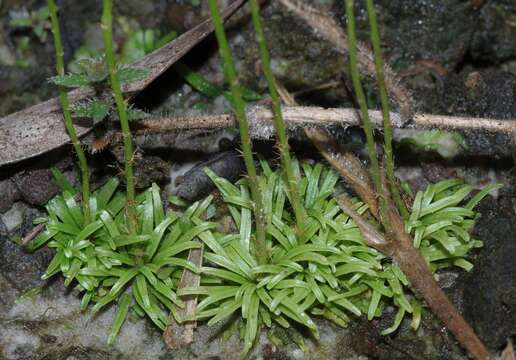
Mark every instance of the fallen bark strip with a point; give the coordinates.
(261, 121)
(40, 128)
(180, 334)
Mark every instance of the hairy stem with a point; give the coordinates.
(260, 117)
(81, 156)
(359, 91)
(239, 109)
(107, 35)
(279, 122)
(387, 128)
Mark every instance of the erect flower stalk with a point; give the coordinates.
(239, 109)
(107, 35)
(384, 99)
(359, 92)
(63, 95)
(279, 123)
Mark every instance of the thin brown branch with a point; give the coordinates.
(31, 235)
(261, 126)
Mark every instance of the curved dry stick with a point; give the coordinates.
(179, 332)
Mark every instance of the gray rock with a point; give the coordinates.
(36, 186)
(195, 184)
(9, 194)
(490, 288)
(13, 217)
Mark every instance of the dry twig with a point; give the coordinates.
(261, 127)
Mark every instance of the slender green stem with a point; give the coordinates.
(107, 35)
(81, 156)
(279, 123)
(359, 91)
(239, 109)
(387, 128)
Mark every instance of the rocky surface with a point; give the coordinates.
(490, 288)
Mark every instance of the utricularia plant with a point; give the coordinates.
(109, 264)
(330, 272)
(295, 255)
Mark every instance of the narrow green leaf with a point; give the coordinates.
(225, 311)
(141, 284)
(481, 194)
(122, 281)
(157, 235)
(373, 305)
(224, 274)
(252, 322)
(124, 240)
(397, 321)
(121, 314)
(62, 181)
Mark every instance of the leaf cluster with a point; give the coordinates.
(332, 273)
(139, 272)
(440, 225)
(92, 72)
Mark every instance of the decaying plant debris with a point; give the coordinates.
(40, 128)
(395, 242)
